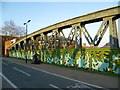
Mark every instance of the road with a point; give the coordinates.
(22, 76)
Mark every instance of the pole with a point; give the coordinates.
(26, 44)
(26, 40)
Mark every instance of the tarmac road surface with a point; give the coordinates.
(17, 75)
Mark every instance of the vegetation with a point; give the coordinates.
(10, 28)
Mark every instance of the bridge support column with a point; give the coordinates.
(32, 43)
(40, 42)
(63, 40)
(77, 34)
(44, 41)
(19, 46)
(113, 33)
(56, 39)
(24, 45)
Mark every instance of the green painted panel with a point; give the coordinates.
(101, 59)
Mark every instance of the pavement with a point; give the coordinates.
(27, 75)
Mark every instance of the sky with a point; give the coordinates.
(43, 14)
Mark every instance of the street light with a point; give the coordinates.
(26, 39)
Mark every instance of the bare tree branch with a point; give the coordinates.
(10, 28)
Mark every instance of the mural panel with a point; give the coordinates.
(100, 59)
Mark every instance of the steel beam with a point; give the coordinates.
(115, 35)
(78, 35)
(88, 18)
(87, 35)
(101, 31)
(63, 40)
(19, 46)
(56, 38)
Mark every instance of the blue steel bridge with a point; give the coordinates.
(68, 51)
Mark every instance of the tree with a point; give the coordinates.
(10, 28)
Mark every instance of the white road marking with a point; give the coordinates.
(79, 85)
(21, 71)
(61, 76)
(70, 79)
(4, 63)
(13, 85)
(55, 86)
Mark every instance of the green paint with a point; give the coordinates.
(101, 59)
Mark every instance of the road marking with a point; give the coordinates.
(4, 63)
(61, 76)
(13, 85)
(79, 85)
(64, 77)
(71, 79)
(55, 86)
(21, 71)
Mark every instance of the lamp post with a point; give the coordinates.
(26, 39)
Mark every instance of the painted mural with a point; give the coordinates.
(103, 59)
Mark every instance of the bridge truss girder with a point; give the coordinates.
(57, 40)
